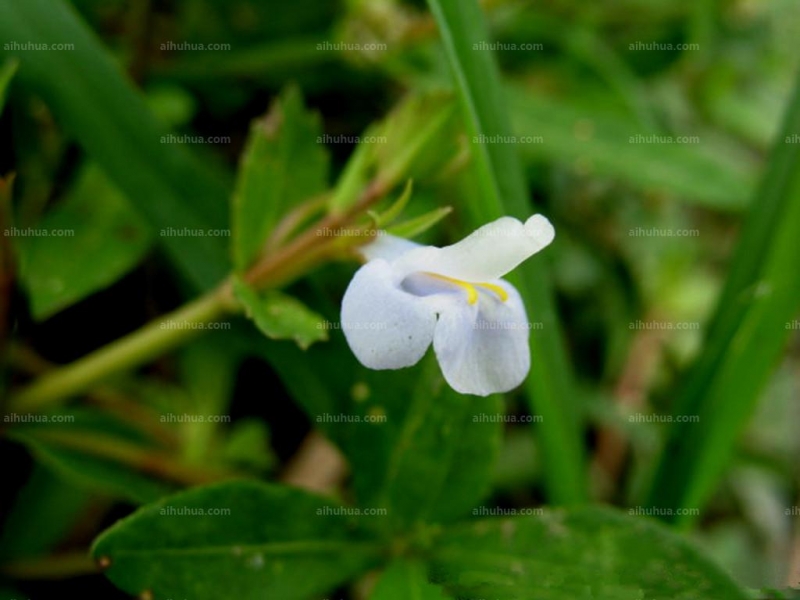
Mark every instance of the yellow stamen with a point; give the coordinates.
(472, 293)
(501, 293)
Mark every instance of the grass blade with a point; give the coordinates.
(92, 100)
(747, 335)
(502, 191)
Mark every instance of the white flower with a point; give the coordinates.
(408, 295)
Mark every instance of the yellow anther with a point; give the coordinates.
(472, 293)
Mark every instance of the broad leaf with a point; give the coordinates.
(87, 242)
(241, 540)
(284, 164)
(590, 553)
(405, 580)
(281, 317)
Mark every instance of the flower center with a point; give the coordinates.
(472, 293)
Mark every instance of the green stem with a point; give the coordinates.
(127, 352)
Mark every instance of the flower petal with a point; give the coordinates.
(388, 247)
(488, 253)
(483, 348)
(386, 327)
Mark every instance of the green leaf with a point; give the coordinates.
(395, 210)
(414, 141)
(248, 445)
(414, 464)
(284, 164)
(86, 243)
(6, 75)
(406, 434)
(750, 329)
(414, 227)
(281, 317)
(51, 504)
(595, 553)
(208, 368)
(49, 439)
(572, 132)
(495, 188)
(94, 102)
(406, 580)
(235, 540)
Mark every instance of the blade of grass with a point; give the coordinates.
(93, 101)
(748, 333)
(502, 191)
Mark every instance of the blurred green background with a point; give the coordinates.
(650, 132)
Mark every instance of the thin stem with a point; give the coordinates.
(142, 459)
(186, 322)
(127, 352)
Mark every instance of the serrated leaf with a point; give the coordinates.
(84, 244)
(283, 164)
(588, 553)
(281, 317)
(240, 540)
(406, 580)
